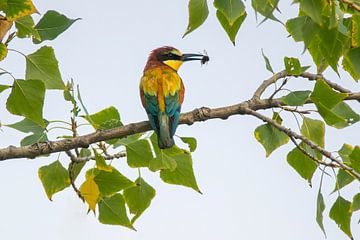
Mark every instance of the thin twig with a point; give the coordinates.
(71, 174)
(307, 141)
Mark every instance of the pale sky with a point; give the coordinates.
(245, 195)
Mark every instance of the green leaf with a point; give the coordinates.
(344, 111)
(341, 214)
(90, 191)
(230, 29)
(25, 28)
(265, 8)
(355, 205)
(296, 98)
(198, 12)
(34, 138)
(109, 182)
(26, 126)
(325, 99)
(342, 179)
(332, 44)
(139, 153)
(292, 66)
(302, 164)
(139, 197)
(43, 65)
(351, 63)
(15, 9)
(270, 137)
(164, 157)
(127, 140)
(101, 163)
(191, 142)
(4, 87)
(105, 119)
(267, 62)
(345, 151)
(302, 29)
(54, 178)
(3, 51)
(320, 207)
(27, 99)
(317, 54)
(231, 9)
(355, 159)
(112, 211)
(313, 8)
(314, 130)
(51, 25)
(183, 174)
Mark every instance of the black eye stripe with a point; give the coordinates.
(168, 56)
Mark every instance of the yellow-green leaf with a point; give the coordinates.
(341, 214)
(303, 164)
(54, 178)
(139, 197)
(112, 211)
(351, 63)
(15, 9)
(164, 157)
(342, 179)
(230, 29)
(3, 51)
(325, 100)
(51, 25)
(198, 12)
(27, 99)
(314, 130)
(90, 191)
(296, 98)
(105, 119)
(43, 65)
(320, 207)
(231, 9)
(355, 205)
(101, 163)
(139, 153)
(191, 142)
(345, 151)
(109, 182)
(25, 27)
(183, 173)
(313, 8)
(355, 159)
(270, 137)
(265, 8)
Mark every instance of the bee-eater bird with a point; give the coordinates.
(162, 91)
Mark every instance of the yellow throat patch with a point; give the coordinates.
(174, 64)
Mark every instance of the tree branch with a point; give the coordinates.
(249, 107)
(197, 115)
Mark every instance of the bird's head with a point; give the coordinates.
(173, 58)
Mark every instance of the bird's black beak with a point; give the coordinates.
(191, 57)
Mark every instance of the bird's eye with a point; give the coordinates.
(170, 54)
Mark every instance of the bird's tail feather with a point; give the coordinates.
(165, 140)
